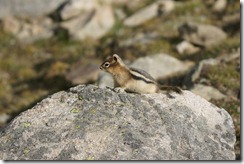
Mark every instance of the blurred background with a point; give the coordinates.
(48, 46)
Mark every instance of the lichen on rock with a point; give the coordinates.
(106, 125)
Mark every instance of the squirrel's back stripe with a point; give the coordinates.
(139, 76)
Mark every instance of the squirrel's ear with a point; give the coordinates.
(116, 57)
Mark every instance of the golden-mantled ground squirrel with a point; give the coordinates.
(131, 79)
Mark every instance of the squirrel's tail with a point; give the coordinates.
(171, 88)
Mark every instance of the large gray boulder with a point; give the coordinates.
(90, 123)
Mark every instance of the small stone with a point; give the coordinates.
(187, 48)
(219, 5)
(11, 25)
(207, 92)
(4, 118)
(195, 74)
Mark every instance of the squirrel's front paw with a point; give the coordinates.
(119, 90)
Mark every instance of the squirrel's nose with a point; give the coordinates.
(101, 67)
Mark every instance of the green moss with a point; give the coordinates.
(74, 110)
(93, 111)
(161, 45)
(225, 75)
(26, 151)
(90, 158)
(77, 126)
(26, 124)
(80, 97)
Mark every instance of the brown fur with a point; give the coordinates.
(133, 80)
(121, 74)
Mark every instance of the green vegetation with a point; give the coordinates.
(74, 110)
(225, 77)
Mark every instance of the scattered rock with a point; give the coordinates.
(28, 31)
(34, 31)
(231, 23)
(28, 8)
(141, 38)
(83, 19)
(207, 92)
(90, 123)
(73, 25)
(187, 48)
(102, 21)
(219, 5)
(231, 19)
(195, 74)
(76, 8)
(201, 34)
(149, 12)
(4, 118)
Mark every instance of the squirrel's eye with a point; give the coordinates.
(106, 65)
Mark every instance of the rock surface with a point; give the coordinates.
(207, 92)
(28, 8)
(90, 123)
(161, 65)
(28, 31)
(102, 21)
(185, 47)
(219, 5)
(195, 74)
(201, 34)
(149, 12)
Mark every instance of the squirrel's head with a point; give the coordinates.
(111, 63)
